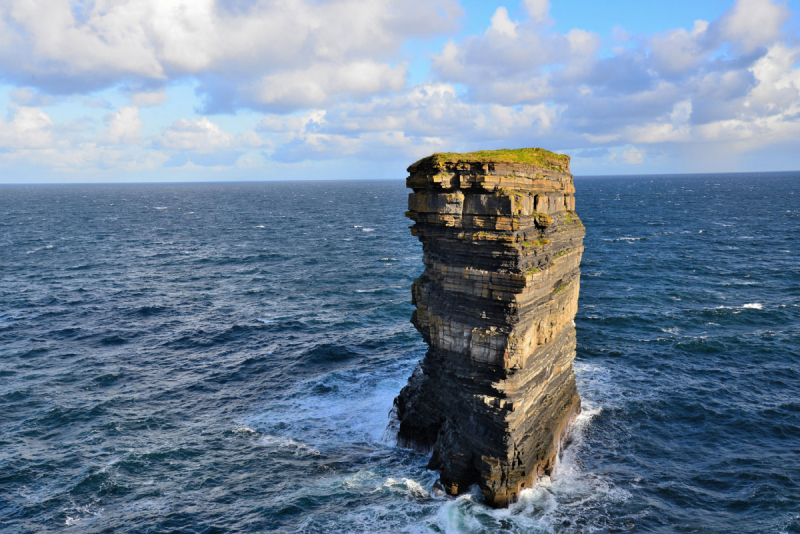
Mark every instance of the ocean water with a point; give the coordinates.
(223, 358)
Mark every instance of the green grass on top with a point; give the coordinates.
(529, 156)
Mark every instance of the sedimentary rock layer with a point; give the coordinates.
(495, 395)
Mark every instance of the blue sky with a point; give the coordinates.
(191, 90)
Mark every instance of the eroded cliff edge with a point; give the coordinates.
(495, 395)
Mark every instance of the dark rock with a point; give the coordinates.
(495, 395)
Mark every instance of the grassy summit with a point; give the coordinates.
(529, 156)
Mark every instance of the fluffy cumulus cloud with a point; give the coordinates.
(202, 142)
(279, 55)
(327, 79)
(729, 84)
(124, 126)
(28, 128)
(30, 137)
(730, 79)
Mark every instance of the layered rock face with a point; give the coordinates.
(495, 395)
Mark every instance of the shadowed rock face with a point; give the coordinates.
(495, 395)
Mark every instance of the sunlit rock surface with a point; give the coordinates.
(495, 395)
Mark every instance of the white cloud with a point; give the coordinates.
(146, 99)
(681, 112)
(320, 83)
(28, 128)
(249, 139)
(283, 123)
(677, 50)
(112, 39)
(124, 126)
(198, 135)
(500, 23)
(751, 24)
(539, 10)
(341, 46)
(516, 63)
(633, 156)
(428, 117)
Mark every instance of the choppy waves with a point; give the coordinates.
(229, 363)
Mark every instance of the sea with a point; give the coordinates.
(213, 358)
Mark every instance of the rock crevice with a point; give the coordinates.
(495, 395)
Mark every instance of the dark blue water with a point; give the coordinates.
(223, 358)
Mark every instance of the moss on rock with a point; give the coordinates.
(527, 156)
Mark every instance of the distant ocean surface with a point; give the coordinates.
(212, 358)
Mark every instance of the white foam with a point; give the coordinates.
(408, 486)
(543, 507)
(244, 429)
(159, 207)
(368, 229)
(753, 306)
(626, 239)
(283, 442)
(86, 512)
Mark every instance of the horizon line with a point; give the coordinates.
(645, 175)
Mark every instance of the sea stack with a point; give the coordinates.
(495, 395)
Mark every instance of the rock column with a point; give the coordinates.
(495, 395)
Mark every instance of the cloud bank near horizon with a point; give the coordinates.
(279, 88)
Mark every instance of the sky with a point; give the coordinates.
(231, 90)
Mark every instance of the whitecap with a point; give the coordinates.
(626, 239)
(159, 207)
(368, 290)
(260, 226)
(753, 306)
(244, 429)
(282, 442)
(411, 488)
(368, 229)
